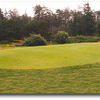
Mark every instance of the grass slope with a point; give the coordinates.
(82, 77)
(69, 80)
(50, 56)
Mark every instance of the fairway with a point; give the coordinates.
(52, 56)
(53, 69)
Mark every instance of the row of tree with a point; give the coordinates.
(76, 22)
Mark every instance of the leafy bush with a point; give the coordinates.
(79, 39)
(34, 40)
(61, 37)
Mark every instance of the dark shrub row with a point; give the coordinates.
(36, 40)
(60, 38)
(79, 39)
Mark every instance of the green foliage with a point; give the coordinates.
(45, 22)
(80, 38)
(35, 40)
(88, 21)
(61, 37)
(82, 22)
(11, 29)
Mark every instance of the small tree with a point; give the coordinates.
(61, 37)
(35, 40)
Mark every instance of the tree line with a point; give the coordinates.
(47, 23)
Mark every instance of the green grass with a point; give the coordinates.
(50, 56)
(66, 80)
(54, 69)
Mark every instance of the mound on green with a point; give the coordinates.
(52, 56)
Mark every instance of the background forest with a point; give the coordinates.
(84, 21)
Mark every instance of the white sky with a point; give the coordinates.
(26, 5)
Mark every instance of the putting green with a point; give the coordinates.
(52, 56)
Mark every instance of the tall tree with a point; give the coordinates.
(1, 15)
(74, 25)
(97, 14)
(88, 21)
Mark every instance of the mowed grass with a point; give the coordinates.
(84, 79)
(56, 69)
(52, 56)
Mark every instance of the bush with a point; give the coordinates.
(79, 39)
(35, 40)
(61, 37)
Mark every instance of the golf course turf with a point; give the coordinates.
(62, 69)
(52, 56)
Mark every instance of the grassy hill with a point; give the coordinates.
(50, 56)
(56, 69)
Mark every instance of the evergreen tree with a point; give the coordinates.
(88, 21)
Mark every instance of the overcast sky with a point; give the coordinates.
(26, 5)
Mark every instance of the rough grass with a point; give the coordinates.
(66, 80)
(52, 56)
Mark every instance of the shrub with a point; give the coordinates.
(79, 39)
(61, 37)
(35, 40)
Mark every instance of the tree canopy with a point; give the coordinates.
(47, 23)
